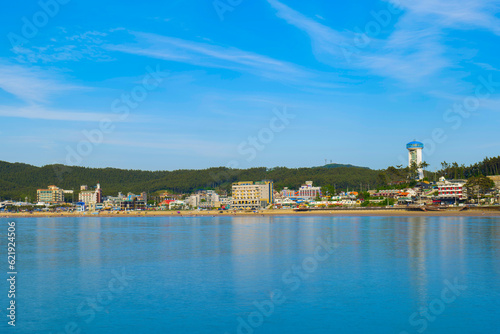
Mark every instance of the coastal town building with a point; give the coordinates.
(284, 202)
(306, 192)
(193, 201)
(51, 195)
(128, 202)
(252, 195)
(390, 193)
(203, 199)
(135, 203)
(451, 190)
(114, 202)
(211, 199)
(90, 196)
(225, 202)
(289, 193)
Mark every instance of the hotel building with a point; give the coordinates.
(252, 195)
(51, 195)
(452, 190)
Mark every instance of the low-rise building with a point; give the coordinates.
(133, 204)
(284, 201)
(114, 202)
(391, 193)
(225, 202)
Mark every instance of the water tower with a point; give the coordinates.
(415, 156)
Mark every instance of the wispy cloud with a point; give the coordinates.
(39, 112)
(466, 14)
(66, 47)
(324, 39)
(215, 56)
(31, 84)
(408, 55)
(413, 52)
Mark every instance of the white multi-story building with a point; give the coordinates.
(90, 196)
(252, 195)
(453, 189)
(308, 192)
(203, 199)
(193, 201)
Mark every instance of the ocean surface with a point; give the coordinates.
(255, 275)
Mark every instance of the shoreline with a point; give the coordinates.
(339, 213)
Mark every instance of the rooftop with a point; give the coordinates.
(415, 144)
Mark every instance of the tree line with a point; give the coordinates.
(19, 181)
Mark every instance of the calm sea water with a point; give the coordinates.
(255, 275)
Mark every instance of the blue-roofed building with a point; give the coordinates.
(415, 149)
(414, 145)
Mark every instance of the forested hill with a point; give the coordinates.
(341, 165)
(18, 180)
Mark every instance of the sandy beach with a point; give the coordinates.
(476, 212)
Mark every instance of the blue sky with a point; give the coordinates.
(195, 84)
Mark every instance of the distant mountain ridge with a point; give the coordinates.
(335, 165)
(19, 180)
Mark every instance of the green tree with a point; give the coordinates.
(478, 185)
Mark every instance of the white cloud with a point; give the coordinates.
(413, 52)
(76, 47)
(31, 84)
(324, 39)
(211, 55)
(465, 14)
(39, 112)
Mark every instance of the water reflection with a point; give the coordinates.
(191, 273)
